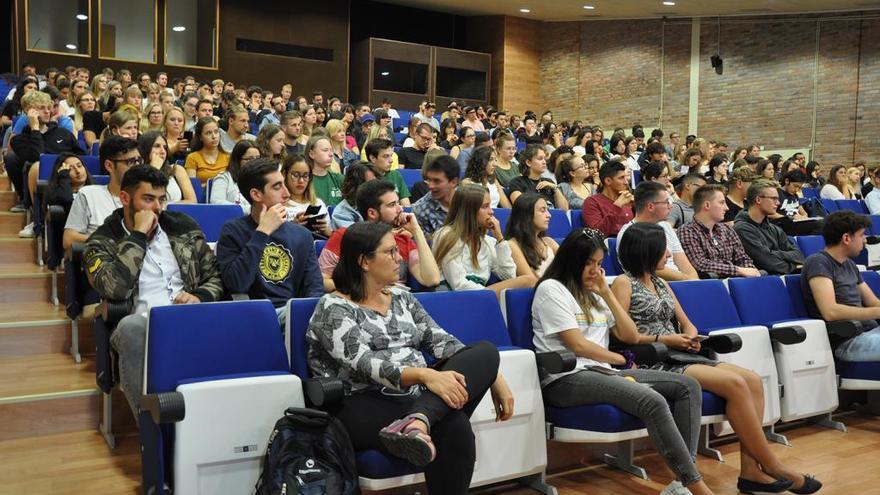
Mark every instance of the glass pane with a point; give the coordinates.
(58, 26)
(128, 30)
(191, 33)
(461, 83)
(402, 77)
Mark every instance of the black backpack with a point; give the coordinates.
(309, 453)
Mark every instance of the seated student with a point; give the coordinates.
(573, 176)
(507, 168)
(326, 182)
(532, 251)
(711, 245)
(380, 154)
(838, 186)
(412, 157)
(372, 337)
(717, 173)
(682, 211)
(659, 318)
(147, 257)
(574, 310)
(153, 148)
(532, 168)
(377, 202)
(224, 189)
(481, 170)
(790, 216)
(94, 203)
(206, 160)
(467, 256)
(237, 129)
(872, 197)
(611, 208)
(69, 176)
(263, 254)
(765, 243)
(737, 185)
(659, 172)
(834, 289)
(298, 179)
(379, 132)
(441, 178)
(652, 204)
(346, 213)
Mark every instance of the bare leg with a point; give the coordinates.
(513, 283)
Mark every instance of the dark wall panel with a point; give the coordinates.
(393, 22)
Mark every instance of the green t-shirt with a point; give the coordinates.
(328, 187)
(396, 179)
(505, 176)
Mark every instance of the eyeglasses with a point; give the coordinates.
(668, 202)
(131, 162)
(392, 252)
(296, 176)
(775, 199)
(427, 138)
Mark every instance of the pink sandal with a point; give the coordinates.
(404, 440)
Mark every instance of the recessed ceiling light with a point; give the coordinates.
(525, 11)
(70, 46)
(82, 17)
(669, 4)
(179, 29)
(386, 73)
(589, 7)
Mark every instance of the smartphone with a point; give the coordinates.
(188, 135)
(699, 338)
(313, 210)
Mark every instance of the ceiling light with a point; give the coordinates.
(589, 7)
(669, 4)
(179, 29)
(525, 11)
(70, 46)
(386, 73)
(82, 17)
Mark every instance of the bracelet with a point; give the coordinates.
(657, 338)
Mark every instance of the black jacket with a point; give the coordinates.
(767, 245)
(30, 144)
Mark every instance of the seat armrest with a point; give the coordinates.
(556, 362)
(723, 344)
(76, 252)
(644, 354)
(54, 211)
(323, 392)
(113, 311)
(708, 275)
(844, 329)
(165, 407)
(794, 334)
(239, 297)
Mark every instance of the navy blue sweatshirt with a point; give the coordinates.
(277, 267)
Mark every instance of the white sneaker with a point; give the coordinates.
(27, 231)
(675, 488)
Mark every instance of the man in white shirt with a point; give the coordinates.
(652, 203)
(427, 116)
(94, 203)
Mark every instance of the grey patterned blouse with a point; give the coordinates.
(367, 350)
(652, 313)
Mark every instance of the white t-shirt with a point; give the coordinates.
(672, 242)
(555, 310)
(92, 205)
(294, 208)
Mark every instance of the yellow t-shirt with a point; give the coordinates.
(204, 169)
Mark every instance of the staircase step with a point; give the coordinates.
(45, 337)
(16, 250)
(26, 282)
(7, 199)
(4, 183)
(10, 223)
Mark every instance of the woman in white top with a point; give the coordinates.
(481, 170)
(466, 255)
(298, 180)
(154, 149)
(531, 249)
(838, 185)
(224, 187)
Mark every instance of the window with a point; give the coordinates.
(461, 83)
(60, 26)
(401, 77)
(191, 33)
(128, 30)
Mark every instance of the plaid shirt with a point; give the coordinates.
(719, 250)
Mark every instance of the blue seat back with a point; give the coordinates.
(470, 315)
(760, 300)
(95, 148)
(520, 145)
(576, 218)
(810, 244)
(208, 187)
(503, 215)
(518, 306)
(872, 279)
(410, 176)
(795, 295)
(852, 205)
(101, 180)
(47, 160)
(810, 192)
(707, 304)
(199, 190)
(611, 263)
(298, 321)
(875, 225)
(188, 342)
(560, 225)
(209, 217)
(829, 204)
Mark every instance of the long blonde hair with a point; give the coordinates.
(77, 113)
(461, 224)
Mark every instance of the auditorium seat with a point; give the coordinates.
(611, 263)
(503, 215)
(810, 192)
(855, 205)
(576, 218)
(410, 176)
(210, 218)
(560, 225)
(829, 204)
(198, 189)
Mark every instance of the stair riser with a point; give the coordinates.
(7, 199)
(28, 289)
(18, 251)
(46, 417)
(4, 183)
(10, 224)
(48, 339)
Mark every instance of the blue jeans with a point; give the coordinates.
(862, 347)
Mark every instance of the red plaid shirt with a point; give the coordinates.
(719, 250)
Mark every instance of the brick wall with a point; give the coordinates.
(766, 94)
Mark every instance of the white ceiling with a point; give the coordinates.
(573, 10)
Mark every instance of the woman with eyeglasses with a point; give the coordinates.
(575, 310)
(374, 337)
(466, 137)
(224, 188)
(153, 118)
(298, 179)
(87, 119)
(154, 150)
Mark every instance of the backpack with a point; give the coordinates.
(309, 453)
(814, 208)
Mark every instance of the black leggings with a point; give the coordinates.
(364, 414)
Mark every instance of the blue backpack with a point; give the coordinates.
(309, 453)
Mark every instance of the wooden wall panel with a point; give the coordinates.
(521, 62)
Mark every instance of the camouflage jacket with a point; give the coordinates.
(113, 258)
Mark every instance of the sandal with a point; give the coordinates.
(407, 442)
